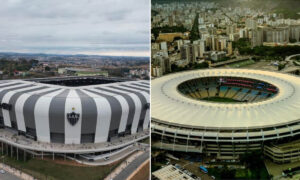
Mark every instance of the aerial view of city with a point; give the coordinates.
(74, 90)
(150, 89)
(225, 89)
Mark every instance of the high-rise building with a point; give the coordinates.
(244, 33)
(186, 52)
(230, 29)
(295, 32)
(251, 23)
(234, 37)
(157, 71)
(229, 48)
(222, 44)
(163, 46)
(277, 35)
(257, 37)
(159, 59)
(200, 45)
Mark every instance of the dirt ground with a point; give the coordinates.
(142, 173)
(71, 162)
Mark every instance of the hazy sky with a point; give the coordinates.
(108, 27)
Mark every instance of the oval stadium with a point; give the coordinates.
(227, 112)
(88, 118)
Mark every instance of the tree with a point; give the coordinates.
(47, 68)
(293, 40)
(227, 173)
(280, 67)
(254, 161)
(194, 35)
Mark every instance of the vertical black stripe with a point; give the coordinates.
(28, 111)
(13, 100)
(2, 93)
(130, 104)
(143, 102)
(57, 116)
(116, 109)
(89, 114)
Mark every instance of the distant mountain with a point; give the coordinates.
(43, 56)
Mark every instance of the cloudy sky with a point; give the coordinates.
(102, 27)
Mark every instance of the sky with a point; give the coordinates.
(93, 27)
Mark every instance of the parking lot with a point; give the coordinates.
(191, 168)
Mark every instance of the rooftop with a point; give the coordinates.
(281, 109)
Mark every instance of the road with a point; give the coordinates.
(132, 166)
(8, 176)
(290, 57)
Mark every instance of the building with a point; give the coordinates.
(170, 172)
(277, 35)
(251, 23)
(257, 37)
(295, 33)
(157, 71)
(91, 117)
(186, 52)
(163, 46)
(199, 46)
(82, 72)
(229, 48)
(231, 29)
(217, 55)
(243, 33)
(162, 60)
(264, 113)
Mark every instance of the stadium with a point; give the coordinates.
(227, 112)
(88, 118)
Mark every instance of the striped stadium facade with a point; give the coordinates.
(105, 111)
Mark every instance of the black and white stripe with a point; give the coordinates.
(40, 110)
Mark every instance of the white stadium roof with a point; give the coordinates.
(169, 106)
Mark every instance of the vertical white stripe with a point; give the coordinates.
(147, 115)
(103, 117)
(138, 109)
(41, 116)
(73, 132)
(6, 99)
(124, 105)
(19, 107)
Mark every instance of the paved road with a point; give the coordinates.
(132, 166)
(290, 57)
(8, 176)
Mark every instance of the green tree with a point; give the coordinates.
(194, 35)
(280, 67)
(47, 68)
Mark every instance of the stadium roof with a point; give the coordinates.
(169, 106)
